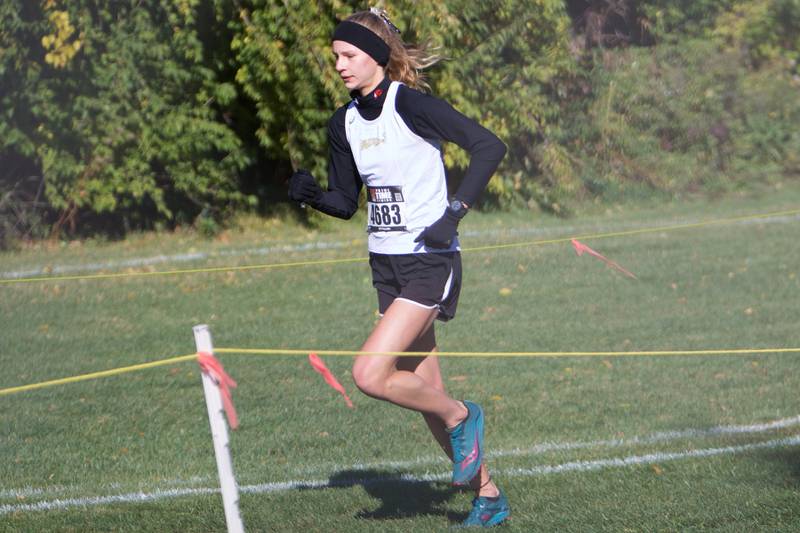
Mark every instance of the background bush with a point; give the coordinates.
(153, 113)
(684, 118)
(119, 109)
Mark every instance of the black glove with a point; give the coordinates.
(440, 234)
(304, 188)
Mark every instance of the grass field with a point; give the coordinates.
(645, 443)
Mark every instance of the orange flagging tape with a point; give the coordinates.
(211, 366)
(580, 248)
(330, 379)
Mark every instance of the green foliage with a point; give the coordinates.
(683, 118)
(764, 31)
(510, 70)
(674, 19)
(144, 113)
(285, 67)
(119, 108)
(504, 64)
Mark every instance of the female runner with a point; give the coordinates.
(388, 138)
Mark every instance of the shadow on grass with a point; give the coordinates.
(399, 497)
(789, 462)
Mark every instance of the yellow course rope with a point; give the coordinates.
(640, 231)
(95, 375)
(281, 351)
(143, 366)
(183, 271)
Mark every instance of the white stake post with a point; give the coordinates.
(219, 432)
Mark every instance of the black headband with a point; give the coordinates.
(363, 38)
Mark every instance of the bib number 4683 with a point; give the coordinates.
(386, 209)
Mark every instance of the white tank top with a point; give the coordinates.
(404, 176)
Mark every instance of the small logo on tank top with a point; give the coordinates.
(369, 143)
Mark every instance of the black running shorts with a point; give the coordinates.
(431, 280)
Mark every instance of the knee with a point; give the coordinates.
(369, 383)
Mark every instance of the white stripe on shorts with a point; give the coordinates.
(447, 286)
(417, 303)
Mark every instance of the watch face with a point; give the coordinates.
(458, 208)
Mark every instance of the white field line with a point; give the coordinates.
(433, 460)
(576, 466)
(174, 258)
(131, 497)
(636, 460)
(159, 494)
(327, 245)
(546, 447)
(45, 492)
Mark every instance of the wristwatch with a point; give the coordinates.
(458, 208)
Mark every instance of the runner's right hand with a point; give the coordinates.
(304, 188)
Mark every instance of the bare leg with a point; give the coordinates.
(428, 369)
(378, 376)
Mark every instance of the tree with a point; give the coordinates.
(120, 108)
(506, 64)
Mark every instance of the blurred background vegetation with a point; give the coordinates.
(153, 114)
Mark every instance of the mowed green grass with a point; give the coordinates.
(720, 286)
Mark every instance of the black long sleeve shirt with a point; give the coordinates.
(425, 115)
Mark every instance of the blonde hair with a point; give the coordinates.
(406, 61)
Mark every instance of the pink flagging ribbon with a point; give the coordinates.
(580, 248)
(211, 366)
(330, 379)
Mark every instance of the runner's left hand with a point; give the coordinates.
(441, 233)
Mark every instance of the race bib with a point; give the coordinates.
(386, 209)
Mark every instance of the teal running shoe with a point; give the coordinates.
(488, 512)
(466, 440)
